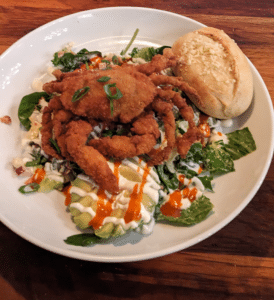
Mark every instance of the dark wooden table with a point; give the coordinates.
(235, 263)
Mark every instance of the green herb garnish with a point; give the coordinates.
(55, 145)
(103, 79)
(29, 188)
(115, 60)
(130, 42)
(80, 93)
(118, 94)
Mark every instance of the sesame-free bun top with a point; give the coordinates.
(212, 63)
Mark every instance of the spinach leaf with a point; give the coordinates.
(217, 160)
(69, 61)
(27, 106)
(168, 179)
(197, 212)
(240, 143)
(83, 239)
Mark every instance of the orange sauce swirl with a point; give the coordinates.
(104, 205)
(172, 206)
(66, 192)
(37, 177)
(133, 212)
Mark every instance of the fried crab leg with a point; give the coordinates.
(121, 147)
(89, 159)
(47, 127)
(164, 110)
(59, 121)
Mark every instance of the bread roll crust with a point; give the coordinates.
(212, 63)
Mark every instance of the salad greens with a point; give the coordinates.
(240, 143)
(202, 163)
(147, 53)
(83, 239)
(196, 213)
(70, 61)
(27, 105)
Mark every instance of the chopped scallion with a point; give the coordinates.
(103, 79)
(55, 145)
(29, 188)
(130, 42)
(111, 96)
(80, 93)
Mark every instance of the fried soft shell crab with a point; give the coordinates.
(144, 92)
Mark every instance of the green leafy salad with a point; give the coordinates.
(175, 192)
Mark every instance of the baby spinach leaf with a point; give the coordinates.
(83, 239)
(70, 61)
(27, 106)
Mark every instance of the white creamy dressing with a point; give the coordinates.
(192, 183)
(53, 174)
(226, 123)
(151, 189)
(218, 136)
(190, 165)
(82, 193)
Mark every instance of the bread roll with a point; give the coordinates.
(212, 63)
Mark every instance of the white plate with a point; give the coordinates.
(42, 219)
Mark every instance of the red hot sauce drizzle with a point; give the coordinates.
(203, 125)
(133, 212)
(37, 177)
(172, 207)
(66, 192)
(104, 205)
